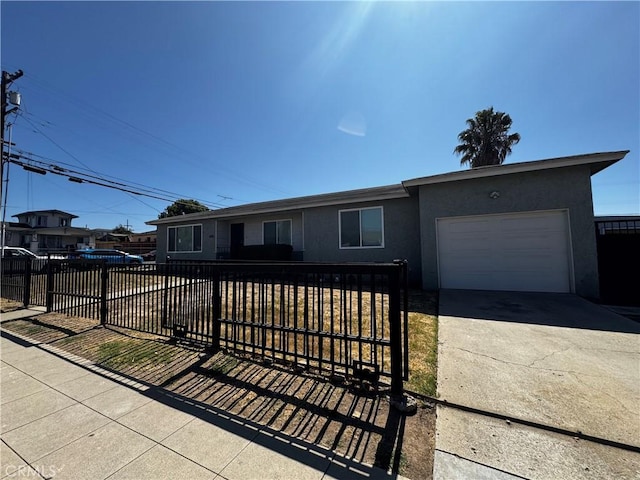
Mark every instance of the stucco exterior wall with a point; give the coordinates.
(208, 242)
(52, 220)
(253, 228)
(401, 235)
(562, 188)
(252, 234)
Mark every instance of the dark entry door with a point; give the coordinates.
(237, 239)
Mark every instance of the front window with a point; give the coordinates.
(186, 238)
(64, 222)
(278, 232)
(361, 228)
(41, 221)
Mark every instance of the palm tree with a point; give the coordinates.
(487, 140)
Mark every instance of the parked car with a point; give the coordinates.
(14, 259)
(109, 255)
(149, 256)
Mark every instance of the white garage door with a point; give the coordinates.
(520, 252)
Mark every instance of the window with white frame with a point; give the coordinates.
(185, 238)
(361, 228)
(276, 232)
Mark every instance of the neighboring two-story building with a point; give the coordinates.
(47, 231)
(50, 231)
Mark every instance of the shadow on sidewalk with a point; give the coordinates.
(301, 416)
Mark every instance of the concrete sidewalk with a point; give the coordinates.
(21, 313)
(66, 418)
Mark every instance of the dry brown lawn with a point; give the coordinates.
(7, 305)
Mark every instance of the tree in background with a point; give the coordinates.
(122, 229)
(182, 207)
(487, 140)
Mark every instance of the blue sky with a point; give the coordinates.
(237, 102)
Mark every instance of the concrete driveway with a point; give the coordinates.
(551, 359)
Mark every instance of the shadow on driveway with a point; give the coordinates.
(551, 309)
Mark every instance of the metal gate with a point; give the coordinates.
(618, 243)
(78, 288)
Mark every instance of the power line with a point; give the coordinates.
(73, 174)
(187, 155)
(69, 153)
(62, 172)
(30, 155)
(92, 200)
(57, 144)
(101, 176)
(112, 212)
(77, 174)
(125, 190)
(77, 177)
(9, 157)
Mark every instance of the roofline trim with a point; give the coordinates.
(604, 158)
(597, 162)
(53, 210)
(617, 218)
(305, 202)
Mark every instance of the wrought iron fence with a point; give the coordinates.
(24, 279)
(78, 288)
(341, 319)
(16, 274)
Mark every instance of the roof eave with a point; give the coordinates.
(292, 204)
(31, 212)
(596, 161)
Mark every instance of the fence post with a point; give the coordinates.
(405, 317)
(395, 332)
(165, 299)
(50, 286)
(26, 299)
(104, 275)
(217, 309)
(398, 399)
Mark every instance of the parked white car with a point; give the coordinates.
(18, 253)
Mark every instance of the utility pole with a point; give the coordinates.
(7, 79)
